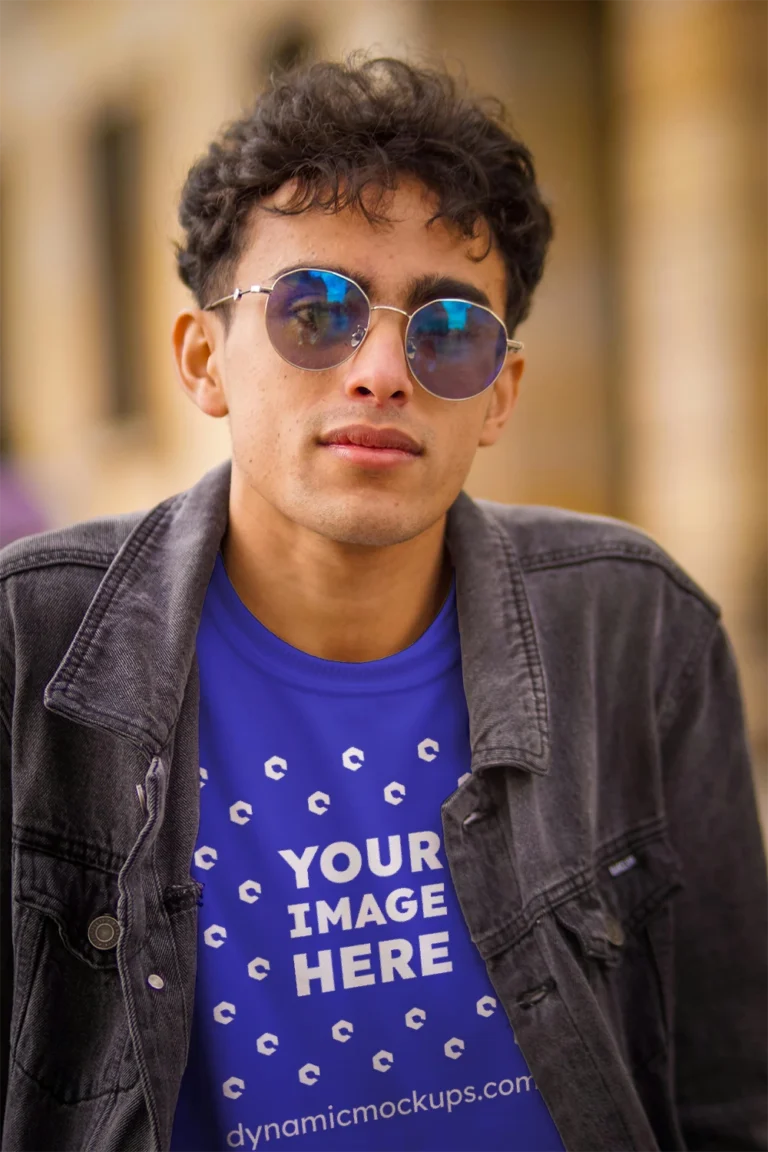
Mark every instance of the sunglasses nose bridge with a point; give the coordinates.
(389, 308)
(385, 308)
(362, 331)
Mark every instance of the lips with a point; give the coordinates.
(366, 436)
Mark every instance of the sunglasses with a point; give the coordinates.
(317, 320)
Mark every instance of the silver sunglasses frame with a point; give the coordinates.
(260, 289)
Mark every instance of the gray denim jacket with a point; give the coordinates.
(605, 849)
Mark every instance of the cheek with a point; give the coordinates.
(462, 436)
(253, 407)
(265, 416)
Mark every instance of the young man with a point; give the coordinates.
(339, 808)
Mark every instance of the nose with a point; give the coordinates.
(379, 368)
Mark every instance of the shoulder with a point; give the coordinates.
(547, 539)
(608, 600)
(48, 580)
(47, 583)
(90, 544)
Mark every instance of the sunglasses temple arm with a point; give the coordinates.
(236, 295)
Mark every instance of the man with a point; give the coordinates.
(347, 810)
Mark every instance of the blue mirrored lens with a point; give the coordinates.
(455, 349)
(316, 319)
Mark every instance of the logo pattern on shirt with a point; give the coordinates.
(400, 905)
(336, 976)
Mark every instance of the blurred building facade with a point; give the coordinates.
(644, 395)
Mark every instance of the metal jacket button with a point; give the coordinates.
(103, 932)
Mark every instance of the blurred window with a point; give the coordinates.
(117, 152)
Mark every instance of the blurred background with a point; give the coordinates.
(645, 390)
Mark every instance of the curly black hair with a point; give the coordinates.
(344, 133)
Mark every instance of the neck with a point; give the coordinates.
(343, 602)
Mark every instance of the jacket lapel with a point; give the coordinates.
(127, 668)
(503, 675)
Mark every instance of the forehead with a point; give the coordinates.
(390, 254)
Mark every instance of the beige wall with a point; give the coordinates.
(540, 60)
(186, 68)
(690, 89)
(187, 76)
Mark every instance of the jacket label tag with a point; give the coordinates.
(622, 865)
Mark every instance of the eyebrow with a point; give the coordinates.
(421, 289)
(418, 289)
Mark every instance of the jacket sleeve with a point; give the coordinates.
(721, 935)
(6, 947)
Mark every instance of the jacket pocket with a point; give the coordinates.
(620, 928)
(69, 1029)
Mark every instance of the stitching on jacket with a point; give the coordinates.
(574, 884)
(641, 834)
(563, 557)
(488, 757)
(140, 737)
(7, 660)
(101, 1119)
(509, 933)
(143, 534)
(80, 852)
(527, 635)
(5, 715)
(587, 1048)
(53, 559)
(66, 1101)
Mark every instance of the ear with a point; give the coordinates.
(502, 402)
(198, 342)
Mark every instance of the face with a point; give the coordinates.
(280, 415)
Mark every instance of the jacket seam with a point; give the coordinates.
(516, 587)
(643, 833)
(568, 557)
(54, 559)
(140, 738)
(96, 716)
(571, 885)
(503, 753)
(512, 931)
(77, 855)
(6, 693)
(594, 1063)
(57, 1096)
(103, 1115)
(7, 661)
(142, 536)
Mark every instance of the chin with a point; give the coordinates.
(371, 528)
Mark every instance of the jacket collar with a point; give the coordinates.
(127, 668)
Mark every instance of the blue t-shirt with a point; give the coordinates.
(340, 1003)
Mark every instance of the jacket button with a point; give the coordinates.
(103, 932)
(614, 931)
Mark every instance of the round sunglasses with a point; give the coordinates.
(317, 320)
